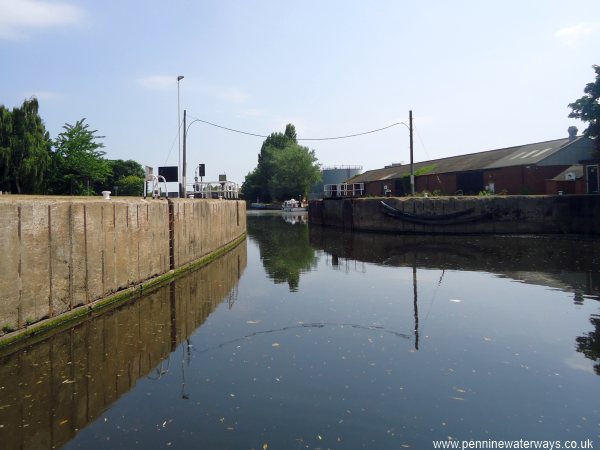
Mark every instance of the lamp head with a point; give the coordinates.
(180, 77)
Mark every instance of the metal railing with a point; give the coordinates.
(215, 189)
(155, 184)
(343, 190)
(342, 167)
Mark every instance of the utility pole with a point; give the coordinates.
(183, 180)
(412, 171)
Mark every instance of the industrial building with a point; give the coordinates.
(333, 175)
(540, 168)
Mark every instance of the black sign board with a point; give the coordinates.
(201, 170)
(170, 173)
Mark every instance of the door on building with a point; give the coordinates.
(469, 182)
(593, 181)
(399, 188)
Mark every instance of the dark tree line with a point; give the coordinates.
(72, 164)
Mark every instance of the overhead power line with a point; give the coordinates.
(351, 135)
(195, 119)
(226, 128)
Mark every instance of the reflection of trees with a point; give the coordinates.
(589, 344)
(284, 248)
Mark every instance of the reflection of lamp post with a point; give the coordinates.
(179, 78)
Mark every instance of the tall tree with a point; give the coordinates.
(279, 155)
(79, 162)
(25, 149)
(295, 170)
(256, 184)
(587, 108)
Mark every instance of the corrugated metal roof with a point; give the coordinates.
(530, 154)
(491, 159)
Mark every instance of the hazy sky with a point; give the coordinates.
(478, 75)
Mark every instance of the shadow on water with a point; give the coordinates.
(50, 391)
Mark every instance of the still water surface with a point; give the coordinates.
(313, 338)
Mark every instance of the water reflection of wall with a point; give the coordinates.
(563, 262)
(53, 389)
(284, 248)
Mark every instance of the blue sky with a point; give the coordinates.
(478, 75)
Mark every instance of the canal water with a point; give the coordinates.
(306, 338)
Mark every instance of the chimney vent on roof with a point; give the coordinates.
(572, 133)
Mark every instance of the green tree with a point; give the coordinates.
(25, 149)
(256, 184)
(587, 108)
(280, 159)
(126, 176)
(121, 169)
(130, 185)
(251, 187)
(80, 165)
(5, 149)
(295, 170)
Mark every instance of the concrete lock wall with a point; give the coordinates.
(59, 253)
(491, 215)
(77, 375)
(201, 226)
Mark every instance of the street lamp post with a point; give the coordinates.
(179, 78)
(183, 178)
